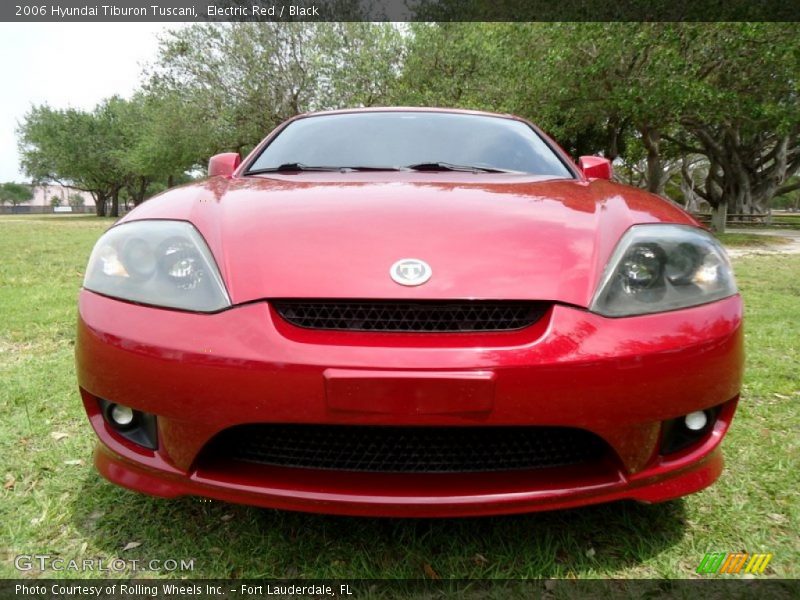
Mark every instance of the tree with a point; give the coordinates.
(562, 76)
(55, 201)
(743, 113)
(790, 199)
(161, 143)
(708, 111)
(239, 81)
(75, 148)
(215, 87)
(645, 94)
(76, 201)
(725, 91)
(15, 193)
(355, 64)
(456, 65)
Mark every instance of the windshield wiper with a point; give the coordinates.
(362, 168)
(291, 168)
(295, 167)
(443, 166)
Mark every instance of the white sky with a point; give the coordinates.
(69, 64)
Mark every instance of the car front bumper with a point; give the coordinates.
(620, 379)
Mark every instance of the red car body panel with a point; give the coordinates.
(202, 374)
(313, 236)
(485, 236)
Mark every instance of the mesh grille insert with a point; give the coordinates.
(392, 449)
(397, 316)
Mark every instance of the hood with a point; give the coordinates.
(485, 236)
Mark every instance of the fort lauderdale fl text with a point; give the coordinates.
(155, 10)
(139, 589)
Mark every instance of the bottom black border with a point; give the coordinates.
(484, 589)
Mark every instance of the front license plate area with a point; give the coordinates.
(409, 392)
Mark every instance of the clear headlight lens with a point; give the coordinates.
(659, 267)
(163, 263)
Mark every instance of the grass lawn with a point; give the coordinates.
(751, 240)
(791, 220)
(54, 503)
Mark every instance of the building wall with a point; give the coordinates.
(43, 193)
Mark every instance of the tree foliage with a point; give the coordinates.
(121, 145)
(76, 148)
(15, 193)
(704, 111)
(240, 80)
(76, 200)
(646, 94)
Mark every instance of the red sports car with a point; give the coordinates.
(409, 312)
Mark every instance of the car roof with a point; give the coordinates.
(421, 109)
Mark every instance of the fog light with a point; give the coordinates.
(122, 415)
(695, 421)
(134, 425)
(688, 430)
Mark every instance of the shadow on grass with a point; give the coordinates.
(236, 541)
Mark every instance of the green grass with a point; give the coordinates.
(52, 506)
(751, 240)
(778, 222)
(786, 219)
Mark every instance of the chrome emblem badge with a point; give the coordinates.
(410, 271)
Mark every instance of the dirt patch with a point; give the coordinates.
(789, 243)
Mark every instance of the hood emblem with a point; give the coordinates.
(410, 271)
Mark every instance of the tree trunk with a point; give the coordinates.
(656, 179)
(691, 199)
(138, 198)
(719, 214)
(99, 204)
(747, 170)
(613, 134)
(115, 204)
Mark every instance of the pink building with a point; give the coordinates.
(44, 193)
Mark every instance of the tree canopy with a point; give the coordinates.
(700, 111)
(15, 193)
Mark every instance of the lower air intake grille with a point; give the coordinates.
(406, 449)
(399, 316)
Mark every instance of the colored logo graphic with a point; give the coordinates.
(734, 563)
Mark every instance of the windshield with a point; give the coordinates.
(397, 140)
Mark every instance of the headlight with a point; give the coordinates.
(163, 263)
(659, 267)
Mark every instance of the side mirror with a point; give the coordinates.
(223, 164)
(595, 167)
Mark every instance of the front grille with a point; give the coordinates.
(406, 449)
(396, 316)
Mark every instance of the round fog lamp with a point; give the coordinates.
(121, 415)
(695, 421)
